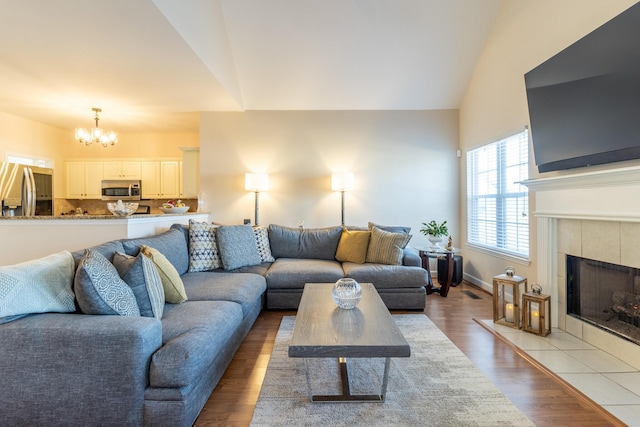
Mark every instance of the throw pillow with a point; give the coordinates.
(203, 248)
(390, 228)
(99, 288)
(174, 292)
(353, 246)
(262, 242)
(237, 245)
(38, 286)
(386, 247)
(142, 276)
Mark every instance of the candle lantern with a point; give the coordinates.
(536, 312)
(507, 289)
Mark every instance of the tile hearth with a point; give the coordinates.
(603, 378)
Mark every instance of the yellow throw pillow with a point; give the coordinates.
(352, 246)
(171, 282)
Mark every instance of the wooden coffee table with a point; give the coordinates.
(322, 329)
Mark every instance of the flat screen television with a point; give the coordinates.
(584, 102)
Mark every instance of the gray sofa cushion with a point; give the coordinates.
(390, 228)
(100, 290)
(311, 243)
(108, 249)
(237, 245)
(290, 273)
(244, 289)
(193, 334)
(386, 276)
(142, 276)
(172, 244)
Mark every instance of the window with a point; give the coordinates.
(31, 161)
(497, 206)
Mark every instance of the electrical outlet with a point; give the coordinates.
(246, 221)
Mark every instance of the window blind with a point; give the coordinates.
(497, 206)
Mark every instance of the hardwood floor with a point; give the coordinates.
(545, 399)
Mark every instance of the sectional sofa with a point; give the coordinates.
(139, 331)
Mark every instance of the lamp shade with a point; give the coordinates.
(342, 181)
(256, 181)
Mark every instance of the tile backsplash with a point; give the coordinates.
(99, 207)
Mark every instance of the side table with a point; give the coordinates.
(445, 283)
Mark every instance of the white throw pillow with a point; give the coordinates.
(39, 286)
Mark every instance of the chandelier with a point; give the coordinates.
(89, 136)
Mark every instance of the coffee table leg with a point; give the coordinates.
(346, 395)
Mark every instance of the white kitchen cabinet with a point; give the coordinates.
(83, 180)
(190, 173)
(160, 179)
(122, 170)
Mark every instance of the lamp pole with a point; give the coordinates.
(342, 202)
(257, 207)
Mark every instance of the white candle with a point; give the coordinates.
(509, 313)
(535, 320)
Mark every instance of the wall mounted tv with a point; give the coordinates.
(584, 102)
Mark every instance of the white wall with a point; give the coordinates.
(405, 166)
(525, 34)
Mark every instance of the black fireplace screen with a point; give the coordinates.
(605, 295)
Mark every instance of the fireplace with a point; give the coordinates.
(605, 295)
(593, 215)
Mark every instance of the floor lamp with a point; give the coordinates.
(256, 182)
(342, 181)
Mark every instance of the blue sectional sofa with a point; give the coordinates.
(70, 368)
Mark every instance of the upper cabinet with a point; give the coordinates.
(122, 170)
(83, 180)
(190, 173)
(160, 179)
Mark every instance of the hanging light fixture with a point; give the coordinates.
(89, 136)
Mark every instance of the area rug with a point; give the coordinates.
(437, 386)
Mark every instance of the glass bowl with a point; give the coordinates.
(121, 208)
(346, 293)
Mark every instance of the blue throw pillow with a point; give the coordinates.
(142, 276)
(237, 245)
(100, 290)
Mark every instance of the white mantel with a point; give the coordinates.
(605, 195)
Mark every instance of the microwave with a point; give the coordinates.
(121, 189)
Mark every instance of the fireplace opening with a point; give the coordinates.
(605, 295)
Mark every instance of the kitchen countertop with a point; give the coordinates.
(110, 216)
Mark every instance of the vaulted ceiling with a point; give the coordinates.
(152, 65)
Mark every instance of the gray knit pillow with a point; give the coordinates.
(385, 247)
(237, 245)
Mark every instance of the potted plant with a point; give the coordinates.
(435, 232)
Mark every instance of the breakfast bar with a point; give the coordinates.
(26, 238)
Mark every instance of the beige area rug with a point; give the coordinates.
(437, 386)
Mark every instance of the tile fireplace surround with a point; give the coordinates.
(593, 215)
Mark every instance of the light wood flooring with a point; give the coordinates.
(544, 398)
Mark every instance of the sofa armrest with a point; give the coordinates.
(410, 258)
(76, 369)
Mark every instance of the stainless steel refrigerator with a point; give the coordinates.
(25, 190)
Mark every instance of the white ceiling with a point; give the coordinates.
(152, 65)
